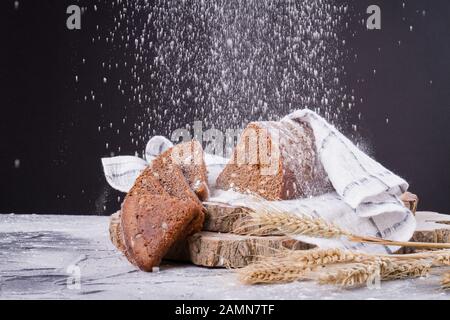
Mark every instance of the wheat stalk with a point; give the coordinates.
(385, 242)
(363, 273)
(441, 258)
(436, 258)
(339, 267)
(272, 271)
(263, 219)
(335, 255)
(392, 270)
(321, 256)
(350, 276)
(293, 265)
(446, 281)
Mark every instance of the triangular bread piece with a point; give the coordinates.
(277, 161)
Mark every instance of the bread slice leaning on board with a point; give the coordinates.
(164, 206)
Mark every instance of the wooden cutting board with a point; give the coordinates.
(431, 227)
(216, 246)
(225, 218)
(212, 249)
(215, 249)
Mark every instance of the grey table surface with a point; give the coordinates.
(71, 257)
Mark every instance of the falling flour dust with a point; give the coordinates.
(224, 62)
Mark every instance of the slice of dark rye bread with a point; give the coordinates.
(162, 208)
(152, 224)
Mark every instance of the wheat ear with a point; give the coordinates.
(392, 270)
(350, 275)
(446, 281)
(290, 224)
(331, 256)
(293, 265)
(272, 271)
(441, 258)
(321, 256)
(341, 267)
(384, 269)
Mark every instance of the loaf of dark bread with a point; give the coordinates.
(277, 161)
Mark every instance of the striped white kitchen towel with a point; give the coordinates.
(388, 219)
(121, 172)
(355, 176)
(366, 200)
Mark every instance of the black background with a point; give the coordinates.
(53, 131)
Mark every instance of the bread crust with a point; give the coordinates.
(151, 224)
(162, 209)
(277, 161)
